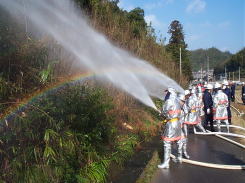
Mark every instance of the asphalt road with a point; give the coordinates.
(208, 149)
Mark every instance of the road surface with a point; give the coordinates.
(208, 149)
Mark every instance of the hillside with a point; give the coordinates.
(233, 63)
(198, 58)
(58, 131)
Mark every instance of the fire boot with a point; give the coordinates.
(180, 146)
(199, 125)
(185, 149)
(167, 151)
(227, 126)
(218, 125)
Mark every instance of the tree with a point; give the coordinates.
(177, 41)
(136, 17)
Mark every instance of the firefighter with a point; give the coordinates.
(182, 99)
(243, 92)
(208, 107)
(227, 91)
(172, 132)
(192, 110)
(201, 106)
(185, 127)
(233, 89)
(220, 105)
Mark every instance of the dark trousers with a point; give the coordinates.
(209, 119)
(229, 113)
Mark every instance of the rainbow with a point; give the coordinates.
(19, 106)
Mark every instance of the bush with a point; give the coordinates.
(57, 135)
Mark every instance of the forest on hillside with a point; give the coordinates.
(79, 132)
(199, 58)
(233, 64)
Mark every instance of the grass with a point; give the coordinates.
(150, 169)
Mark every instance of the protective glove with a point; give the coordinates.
(208, 111)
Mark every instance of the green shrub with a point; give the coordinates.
(60, 134)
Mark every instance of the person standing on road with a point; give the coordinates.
(201, 106)
(208, 107)
(243, 92)
(220, 105)
(172, 132)
(233, 89)
(192, 110)
(227, 91)
(184, 131)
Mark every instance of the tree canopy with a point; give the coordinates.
(177, 41)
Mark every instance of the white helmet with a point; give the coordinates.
(209, 86)
(181, 97)
(225, 83)
(171, 90)
(187, 92)
(217, 85)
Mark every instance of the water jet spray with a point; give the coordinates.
(64, 22)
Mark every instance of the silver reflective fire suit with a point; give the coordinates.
(192, 110)
(184, 132)
(200, 104)
(220, 109)
(172, 133)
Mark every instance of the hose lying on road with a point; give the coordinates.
(221, 133)
(218, 134)
(233, 126)
(212, 165)
(232, 141)
(240, 113)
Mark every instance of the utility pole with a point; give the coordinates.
(180, 62)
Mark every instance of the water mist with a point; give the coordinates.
(65, 23)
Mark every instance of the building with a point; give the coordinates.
(203, 74)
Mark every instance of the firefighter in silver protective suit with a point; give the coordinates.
(220, 105)
(182, 99)
(172, 132)
(192, 109)
(201, 109)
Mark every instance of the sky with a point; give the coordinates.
(206, 23)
